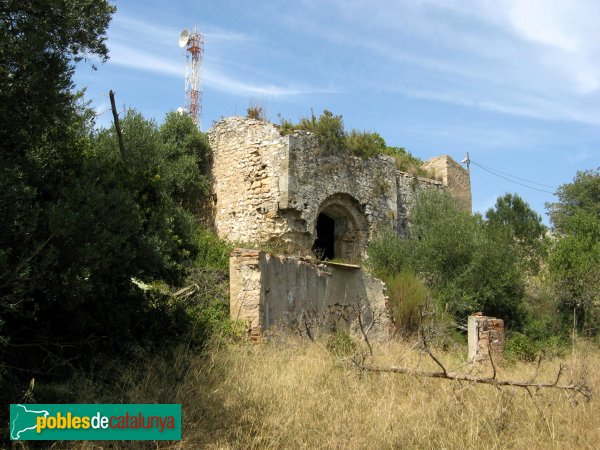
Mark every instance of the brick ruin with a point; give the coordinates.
(486, 339)
(283, 192)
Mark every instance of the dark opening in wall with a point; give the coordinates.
(324, 245)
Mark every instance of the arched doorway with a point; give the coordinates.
(324, 246)
(341, 229)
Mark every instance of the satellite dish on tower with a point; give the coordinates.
(184, 37)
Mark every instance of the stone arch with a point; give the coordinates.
(340, 228)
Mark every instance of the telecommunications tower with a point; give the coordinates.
(192, 102)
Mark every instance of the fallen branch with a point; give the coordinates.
(582, 389)
(573, 388)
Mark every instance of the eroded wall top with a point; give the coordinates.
(272, 188)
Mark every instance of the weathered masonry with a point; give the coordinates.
(269, 188)
(486, 338)
(284, 192)
(271, 291)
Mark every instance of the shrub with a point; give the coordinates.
(330, 132)
(388, 254)
(341, 343)
(364, 144)
(406, 162)
(406, 294)
(256, 112)
(541, 336)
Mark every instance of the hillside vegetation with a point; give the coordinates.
(335, 140)
(292, 393)
(111, 290)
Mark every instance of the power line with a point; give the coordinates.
(514, 176)
(508, 179)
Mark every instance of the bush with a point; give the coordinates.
(388, 254)
(364, 144)
(407, 293)
(341, 344)
(541, 336)
(256, 112)
(406, 162)
(330, 132)
(467, 265)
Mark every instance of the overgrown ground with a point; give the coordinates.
(290, 393)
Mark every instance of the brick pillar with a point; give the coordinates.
(486, 338)
(245, 289)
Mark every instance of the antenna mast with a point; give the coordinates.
(192, 102)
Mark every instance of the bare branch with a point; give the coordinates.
(493, 365)
(424, 340)
(579, 388)
(362, 330)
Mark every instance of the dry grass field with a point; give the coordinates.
(295, 394)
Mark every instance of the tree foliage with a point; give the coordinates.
(575, 269)
(468, 265)
(40, 40)
(574, 260)
(514, 212)
(583, 194)
(526, 225)
(90, 241)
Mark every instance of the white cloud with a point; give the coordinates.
(570, 31)
(536, 108)
(581, 155)
(137, 45)
(135, 29)
(134, 58)
(527, 58)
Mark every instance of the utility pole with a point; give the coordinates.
(467, 161)
(111, 94)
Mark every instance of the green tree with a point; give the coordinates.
(574, 260)
(575, 269)
(44, 133)
(512, 211)
(81, 231)
(468, 265)
(583, 194)
(40, 41)
(526, 225)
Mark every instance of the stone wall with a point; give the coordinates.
(454, 176)
(271, 292)
(272, 188)
(248, 161)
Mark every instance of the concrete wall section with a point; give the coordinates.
(296, 293)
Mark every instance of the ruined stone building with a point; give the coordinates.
(283, 192)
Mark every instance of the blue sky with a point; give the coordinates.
(516, 83)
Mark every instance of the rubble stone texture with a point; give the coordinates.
(283, 192)
(271, 188)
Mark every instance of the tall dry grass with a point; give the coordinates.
(293, 394)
